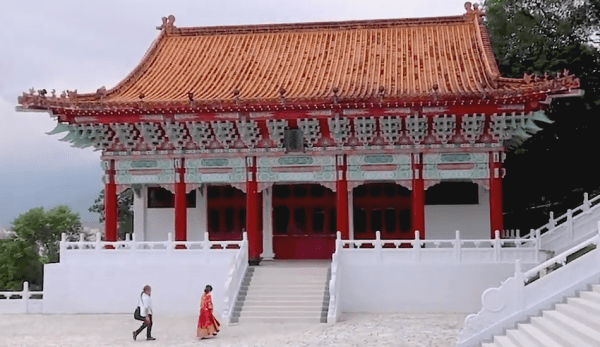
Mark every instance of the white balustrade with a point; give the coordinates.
(495, 250)
(23, 304)
(527, 293)
(235, 277)
(335, 285)
(571, 228)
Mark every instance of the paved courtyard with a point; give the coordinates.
(439, 330)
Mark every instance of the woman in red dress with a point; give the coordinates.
(208, 325)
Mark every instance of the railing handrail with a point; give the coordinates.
(487, 321)
(554, 223)
(334, 285)
(238, 264)
(25, 293)
(169, 243)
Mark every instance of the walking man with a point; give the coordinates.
(144, 313)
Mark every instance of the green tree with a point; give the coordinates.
(551, 170)
(42, 230)
(125, 206)
(19, 263)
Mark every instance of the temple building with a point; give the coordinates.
(292, 132)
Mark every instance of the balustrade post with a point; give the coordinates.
(520, 283)
(169, 243)
(80, 242)
(133, 245)
(570, 223)
(25, 296)
(378, 245)
(98, 242)
(552, 221)
(63, 247)
(586, 202)
(338, 242)
(538, 244)
(497, 245)
(457, 247)
(206, 247)
(417, 246)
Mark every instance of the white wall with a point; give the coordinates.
(419, 287)
(114, 283)
(161, 221)
(473, 221)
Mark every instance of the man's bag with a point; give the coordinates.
(137, 315)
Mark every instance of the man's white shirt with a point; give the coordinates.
(145, 305)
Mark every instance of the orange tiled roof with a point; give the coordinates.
(356, 60)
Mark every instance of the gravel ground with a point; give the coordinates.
(399, 329)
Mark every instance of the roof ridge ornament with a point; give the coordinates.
(474, 11)
(168, 24)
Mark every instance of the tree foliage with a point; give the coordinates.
(551, 170)
(42, 230)
(19, 263)
(125, 203)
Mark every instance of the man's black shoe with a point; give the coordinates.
(151, 338)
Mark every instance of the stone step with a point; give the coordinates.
(281, 303)
(538, 336)
(519, 338)
(559, 332)
(284, 309)
(502, 341)
(277, 319)
(283, 296)
(584, 331)
(279, 314)
(289, 292)
(585, 304)
(592, 296)
(583, 316)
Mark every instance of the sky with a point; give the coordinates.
(84, 45)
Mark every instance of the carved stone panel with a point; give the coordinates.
(215, 170)
(456, 166)
(157, 171)
(296, 169)
(379, 167)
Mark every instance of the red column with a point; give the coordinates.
(342, 198)
(418, 196)
(496, 173)
(252, 213)
(180, 204)
(110, 203)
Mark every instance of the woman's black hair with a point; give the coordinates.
(208, 288)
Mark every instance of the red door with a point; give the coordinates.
(303, 221)
(383, 207)
(226, 213)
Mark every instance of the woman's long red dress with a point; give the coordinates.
(208, 325)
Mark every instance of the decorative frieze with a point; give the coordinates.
(152, 134)
(224, 132)
(177, 134)
(215, 170)
(472, 127)
(444, 127)
(311, 130)
(339, 128)
(276, 128)
(416, 128)
(148, 171)
(365, 129)
(248, 132)
(200, 133)
(390, 128)
(296, 169)
(127, 135)
(380, 167)
(456, 166)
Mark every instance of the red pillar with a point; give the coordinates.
(418, 196)
(252, 213)
(110, 203)
(496, 173)
(342, 198)
(180, 204)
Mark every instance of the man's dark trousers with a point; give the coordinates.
(144, 325)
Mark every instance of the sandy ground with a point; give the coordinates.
(439, 330)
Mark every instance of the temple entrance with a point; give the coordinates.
(384, 207)
(304, 221)
(226, 213)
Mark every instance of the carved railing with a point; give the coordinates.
(235, 277)
(334, 311)
(132, 247)
(527, 293)
(571, 228)
(459, 250)
(21, 302)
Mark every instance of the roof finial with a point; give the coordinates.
(168, 24)
(473, 9)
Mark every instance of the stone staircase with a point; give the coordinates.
(284, 291)
(575, 323)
